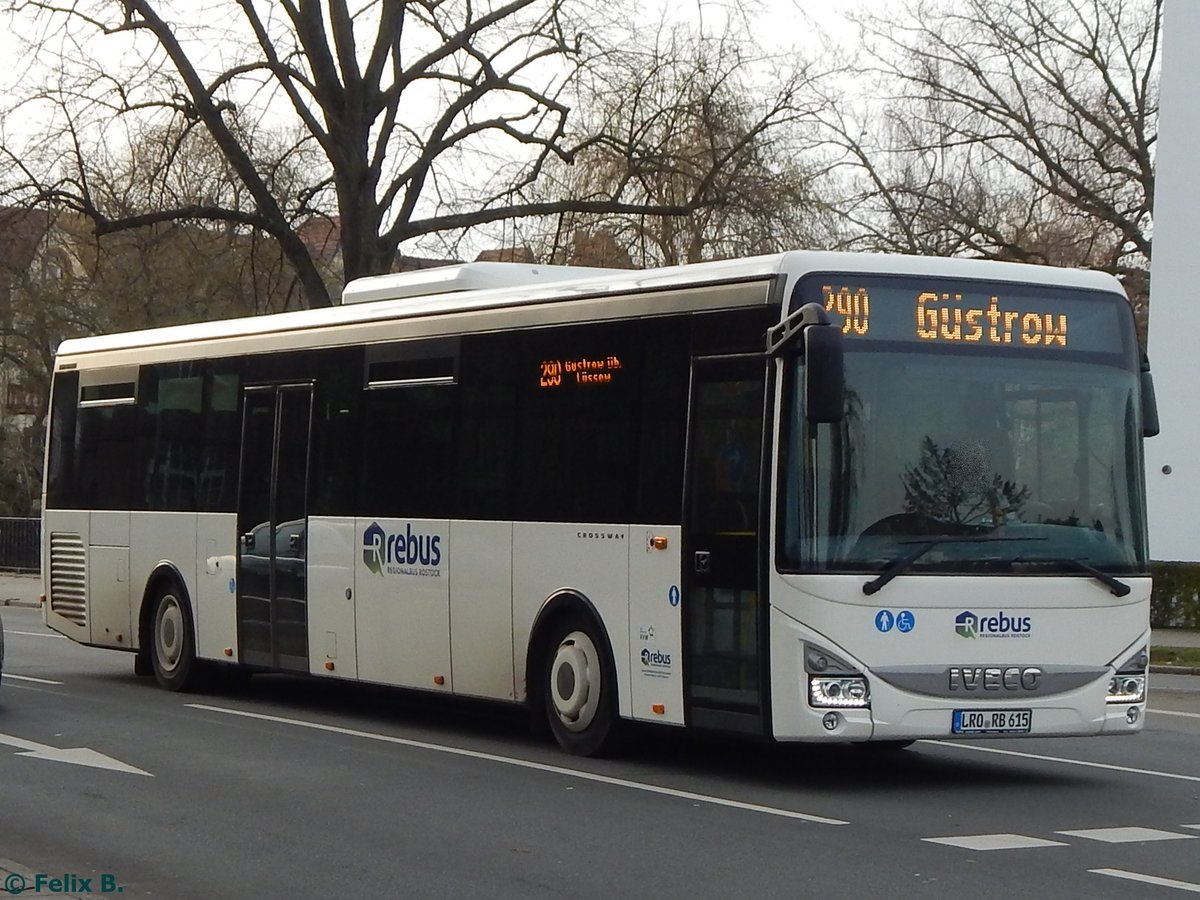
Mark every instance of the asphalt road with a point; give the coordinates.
(300, 788)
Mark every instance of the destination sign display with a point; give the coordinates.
(969, 314)
(557, 373)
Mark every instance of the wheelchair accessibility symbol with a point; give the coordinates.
(903, 621)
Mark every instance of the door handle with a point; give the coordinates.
(702, 562)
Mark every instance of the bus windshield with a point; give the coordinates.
(970, 462)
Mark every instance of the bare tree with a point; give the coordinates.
(725, 130)
(166, 167)
(1012, 129)
(59, 280)
(404, 105)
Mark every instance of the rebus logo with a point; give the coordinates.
(967, 625)
(655, 658)
(1000, 625)
(373, 541)
(400, 553)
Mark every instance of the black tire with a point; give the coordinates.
(143, 665)
(172, 642)
(579, 687)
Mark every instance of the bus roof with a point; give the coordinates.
(460, 290)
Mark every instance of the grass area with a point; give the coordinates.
(1175, 656)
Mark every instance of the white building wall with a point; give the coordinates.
(1173, 458)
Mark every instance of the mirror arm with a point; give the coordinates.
(786, 332)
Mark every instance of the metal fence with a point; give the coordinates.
(20, 544)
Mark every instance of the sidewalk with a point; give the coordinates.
(20, 590)
(1174, 637)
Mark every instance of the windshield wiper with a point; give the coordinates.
(1115, 586)
(900, 565)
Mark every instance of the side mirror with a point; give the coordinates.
(824, 377)
(1149, 403)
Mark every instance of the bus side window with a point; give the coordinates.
(725, 475)
(171, 405)
(662, 424)
(485, 445)
(217, 474)
(61, 489)
(105, 439)
(408, 448)
(578, 413)
(337, 410)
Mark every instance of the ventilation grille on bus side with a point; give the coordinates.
(68, 577)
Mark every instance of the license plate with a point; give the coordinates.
(991, 721)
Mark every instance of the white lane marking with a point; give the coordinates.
(76, 756)
(8, 675)
(1149, 879)
(1004, 841)
(61, 637)
(1171, 712)
(1130, 835)
(1066, 762)
(528, 764)
(1197, 827)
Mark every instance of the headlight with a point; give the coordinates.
(838, 692)
(1126, 689)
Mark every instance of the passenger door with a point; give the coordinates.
(273, 527)
(722, 606)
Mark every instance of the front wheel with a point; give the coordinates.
(579, 688)
(172, 646)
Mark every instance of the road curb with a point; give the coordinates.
(1175, 670)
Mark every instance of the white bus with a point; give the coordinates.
(806, 497)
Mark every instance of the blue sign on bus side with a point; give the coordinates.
(903, 621)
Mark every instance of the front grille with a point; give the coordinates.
(68, 577)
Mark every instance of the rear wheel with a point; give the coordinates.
(579, 688)
(172, 646)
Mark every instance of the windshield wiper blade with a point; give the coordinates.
(903, 563)
(898, 566)
(1115, 586)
